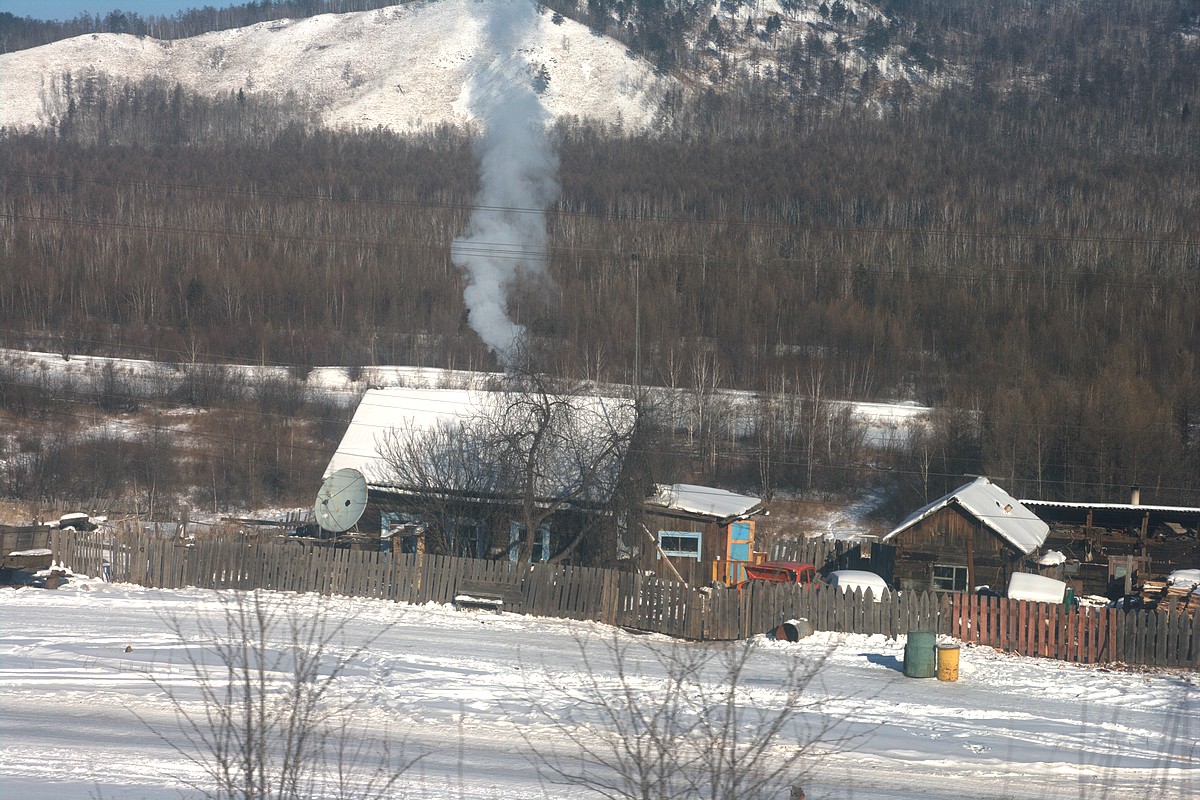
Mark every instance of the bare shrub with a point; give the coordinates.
(208, 385)
(265, 722)
(667, 721)
(112, 389)
(284, 395)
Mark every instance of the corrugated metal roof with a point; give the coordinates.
(994, 508)
(1113, 506)
(703, 500)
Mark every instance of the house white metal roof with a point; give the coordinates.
(703, 500)
(384, 411)
(994, 508)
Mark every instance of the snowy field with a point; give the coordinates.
(476, 695)
(884, 424)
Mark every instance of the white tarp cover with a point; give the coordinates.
(993, 507)
(706, 500)
(1038, 588)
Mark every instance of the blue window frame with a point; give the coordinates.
(679, 544)
(541, 543)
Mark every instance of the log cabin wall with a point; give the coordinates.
(694, 571)
(950, 538)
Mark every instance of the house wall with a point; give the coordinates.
(714, 543)
(495, 521)
(951, 538)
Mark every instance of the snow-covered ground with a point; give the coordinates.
(478, 693)
(886, 424)
(404, 67)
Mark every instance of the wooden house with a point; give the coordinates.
(1109, 548)
(976, 535)
(434, 486)
(697, 534)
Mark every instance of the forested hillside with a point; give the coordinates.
(1016, 240)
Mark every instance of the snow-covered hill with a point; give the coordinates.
(403, 67)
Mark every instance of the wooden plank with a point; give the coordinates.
(1160, 639)
(1194, 641)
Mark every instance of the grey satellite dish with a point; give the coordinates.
(341, 500)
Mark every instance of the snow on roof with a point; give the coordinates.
(384, 411)
(1113, 506)
(704, 500)
(993, 507)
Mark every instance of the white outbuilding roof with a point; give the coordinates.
(703, 500)
(994, 508)
(383, 411)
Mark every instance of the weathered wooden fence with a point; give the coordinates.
(1167, 638)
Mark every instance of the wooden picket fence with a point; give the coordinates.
(1169, 638)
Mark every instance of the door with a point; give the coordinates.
(740, 550)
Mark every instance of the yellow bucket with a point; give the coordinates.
(947, 662)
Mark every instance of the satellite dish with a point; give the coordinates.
(341, 500)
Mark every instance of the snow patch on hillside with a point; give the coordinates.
(403, 67)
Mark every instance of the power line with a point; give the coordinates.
(652, 218)
(741, 454)
(909, 271)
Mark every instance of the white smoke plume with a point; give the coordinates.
(506, 234)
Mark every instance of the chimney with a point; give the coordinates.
(1135, 495)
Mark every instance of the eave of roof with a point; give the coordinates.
(994, 508)
(1112, 507)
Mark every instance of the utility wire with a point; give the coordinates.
(744, 455)
(562, 212)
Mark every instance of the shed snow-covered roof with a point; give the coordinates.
(384, 411)
(994, 508)
(703, 500)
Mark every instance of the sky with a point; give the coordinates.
(69, 9)
(485, 698)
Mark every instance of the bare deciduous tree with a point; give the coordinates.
(528, 453)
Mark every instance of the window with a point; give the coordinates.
(541, 544)
(465, 537)
(680, 544)
(404, 532)
(950, 578)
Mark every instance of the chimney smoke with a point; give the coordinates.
(506, 235)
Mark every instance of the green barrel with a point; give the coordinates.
(920, 654)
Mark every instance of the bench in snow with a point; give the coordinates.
(487, 594)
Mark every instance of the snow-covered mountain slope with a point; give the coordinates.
(403, 67)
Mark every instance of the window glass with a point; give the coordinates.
(950, 578)
(680, 544)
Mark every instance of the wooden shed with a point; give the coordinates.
(976, 535)
(1109, 548)
(698, 533)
